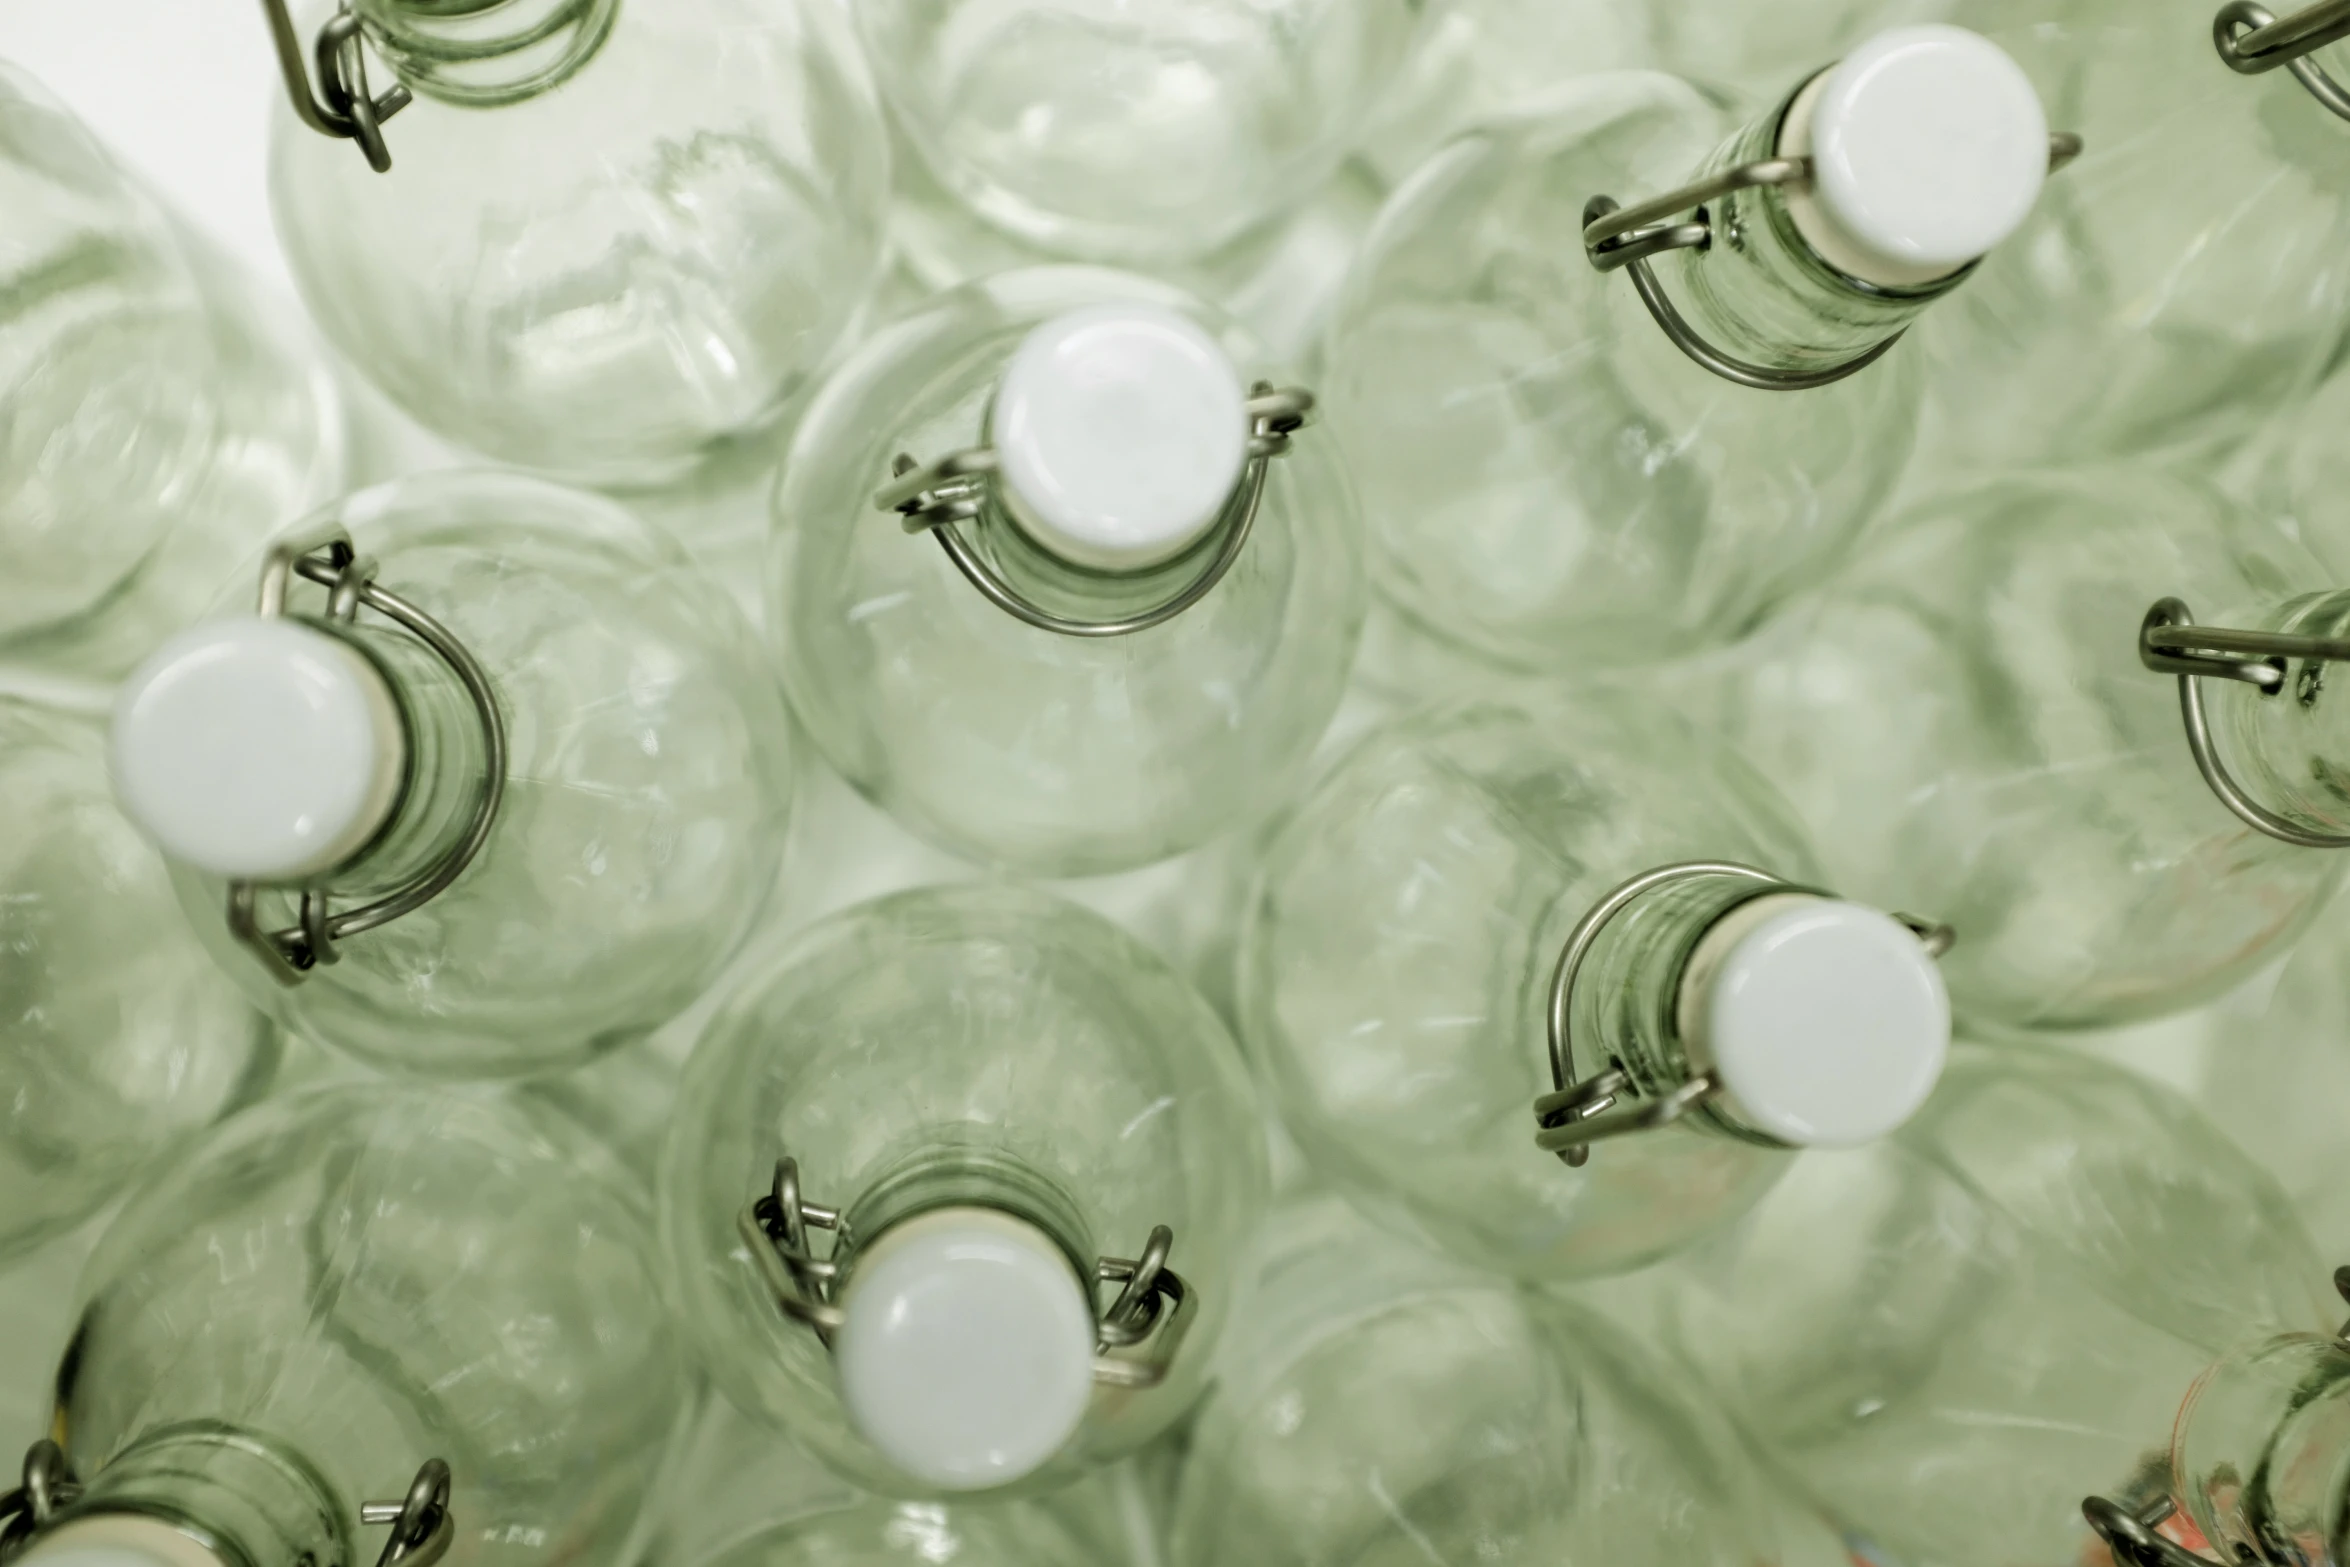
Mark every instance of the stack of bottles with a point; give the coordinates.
(1306, 783)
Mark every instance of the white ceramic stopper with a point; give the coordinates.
(264, 750)
(1120, 432)
(117, 1540)
(967, 1355)
(1928, 147)
(1826, 1021)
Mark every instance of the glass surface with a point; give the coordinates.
(1544, 475)
(648, 785)
(610, 268)
(1397, 961)
(1953, 1337)
(119, 1039)
(877, 1533)
(1139, 131)
(2162, 295)
(2262, 1453)
(155, 423)
(1059, 755)
(1375, 1407)
(355, 1279)
(1969, 731)
(976, 1045)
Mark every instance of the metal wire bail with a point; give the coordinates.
(953, 490)
(328, 558)
(1136, 1336)
(2252, 40)
(48, 1483)
(422, 1526)
(1627, 238)
(2170, 643)
(1580, 1111)
(2131, 1535)
(343, 106)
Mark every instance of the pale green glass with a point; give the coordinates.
(119, 1040)
(1376, 1407)
(647, 788)
(1954, 1336)
(1397, 960)
(1138, 131)
(877, 1533)
(1060, 755)
(346, 1282)
(615, 232)
(2167, 294)
(1544, 475)
(155, 423)
(1752, 53)
(980, 1045)
(1967, 726)
(2261, 1456)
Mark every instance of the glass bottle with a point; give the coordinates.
(1966, 718)
(159, 419)
(119, 1039)
(339, 1287)
(1147, 132)
(559, 782)
(1376, 1406)
(1408, 946)
(612, 236)
(1171, 591)
(1546, 476)
(2161, 299)
(878, 1533)
(979, 1091)
(1954, 1336)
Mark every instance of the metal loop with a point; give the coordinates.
(327, 558)
(1616, 237)
(422, 1526)
(2251, 40)
(342, 107)
(1136, 1337)
(48, 1483)
(952, 491)
(2131, 1536)
(2170, 643)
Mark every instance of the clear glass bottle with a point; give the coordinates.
(1120, 416)
(615, 233)
(119, 1039)
(339, 1286)
(1546, 476)
(2161, 299)
(878, 1533)
(160, 420)
(605, 872)
(1378, 1407)
(1408, 930)
(1144, 131)
(1953, 1337)
(1965, 718)
(980, 1090)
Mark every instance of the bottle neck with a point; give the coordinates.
(953, 1175)
(486, 53)
(201, 1495)
(2291, 747)
(1761, 291)
(1081, 592)
(2261, 1453)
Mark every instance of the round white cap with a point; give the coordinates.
(966, 1356)
(117, 1540)
(1826, 1022)
(1120, 431)
(1928, 147)
(263, 750)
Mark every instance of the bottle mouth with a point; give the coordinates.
(482, 53)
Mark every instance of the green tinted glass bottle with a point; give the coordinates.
(1378, 1407)
(1954, 1337)
(119, 1038)
(339, 1287)
(982, 1093)
(158, 424)
(1149, 591)
(1546, 476)
(613, 234)
(1407, 948)
(1967, 718)
(498, 782)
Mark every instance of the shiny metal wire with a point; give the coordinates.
(2170, 643)
(342, 106)
(2252, 39)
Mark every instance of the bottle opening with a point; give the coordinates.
(966, 1351)
(487, 52)
(1826, 1022)
(1121, 433)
